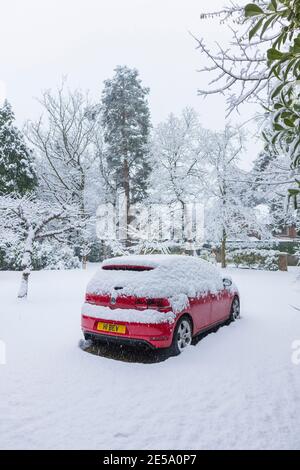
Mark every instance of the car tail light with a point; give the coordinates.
(89, 298)
(163, 305)
(97, 299)
(142, 303)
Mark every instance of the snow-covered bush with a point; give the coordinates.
(55, 256)
(207, 255)
(254, 244)
(255, 258)
(46, 255)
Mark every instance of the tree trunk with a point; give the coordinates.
(84, 261)
(183, 238)
(223, 250)
(23, 291)
(127, 202)
(27, 263)
(224, 234)
(83, 235)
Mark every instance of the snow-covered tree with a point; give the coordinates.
(178, 149)
(229, 212)
(17, 168)
(64, 139)
(26, 220)
(126, 126)
(261, 65)
(270, 179)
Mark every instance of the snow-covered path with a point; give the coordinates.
(237, 388)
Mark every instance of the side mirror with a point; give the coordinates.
(227, 282)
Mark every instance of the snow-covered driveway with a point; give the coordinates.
(237, 388)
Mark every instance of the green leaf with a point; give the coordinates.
(289, 67)
(296, 161)
(274, 4)
(274, 54)
(295, 49)
(277, 91)
(293, 193)
(275, 137)
(266, 25)
(253, 10)
(255, 29)
(295, 147)
(295, 201)
(286, 115)
(289, 123)
(275, 70)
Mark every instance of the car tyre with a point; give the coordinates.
(235, 310)
(183, 335)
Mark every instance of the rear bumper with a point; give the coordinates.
(113, 339)
(155, 335)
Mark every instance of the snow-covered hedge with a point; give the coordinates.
(269, 244)
(297, 254)
(255, 259)
(55, 256)
(207, 255)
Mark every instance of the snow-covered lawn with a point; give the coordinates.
(237, 388)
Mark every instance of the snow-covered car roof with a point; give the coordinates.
(175, 277)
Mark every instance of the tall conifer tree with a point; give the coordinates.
(17, 169)
(126, 123)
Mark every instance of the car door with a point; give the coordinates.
(220, 304)
(201, 312)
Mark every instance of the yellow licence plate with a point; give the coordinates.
(111, 328)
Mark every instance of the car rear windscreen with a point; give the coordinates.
(120, 267)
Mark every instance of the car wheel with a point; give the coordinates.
(85, 344)
(235, 309)
(183, 335)
(89, 339)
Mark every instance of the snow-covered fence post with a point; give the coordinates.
(282, 262)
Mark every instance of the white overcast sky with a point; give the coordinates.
(43, 40)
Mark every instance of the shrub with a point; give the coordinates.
(207, 255)
(255, 259)
(297, 254)
(46, 255)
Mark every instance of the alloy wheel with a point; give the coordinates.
(235, 310)
(184, 335)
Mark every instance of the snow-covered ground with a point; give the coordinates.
(237, 388)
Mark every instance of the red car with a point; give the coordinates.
(162, 301)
